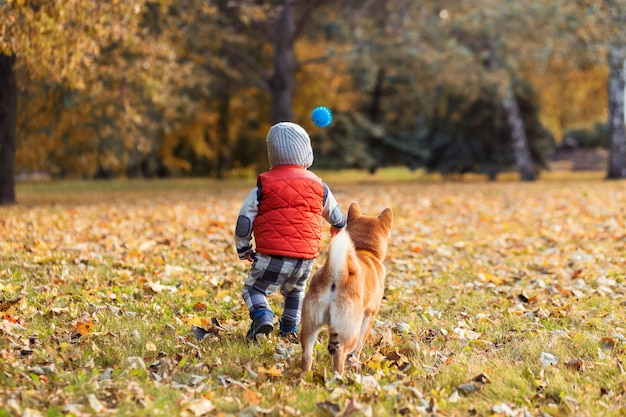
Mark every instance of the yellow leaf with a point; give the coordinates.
(9, 287)
(492, 278)
(198, 321)
(223, 293)
(273, 371)
(375, 362)
(199, 292)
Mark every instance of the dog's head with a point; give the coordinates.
(370, 232)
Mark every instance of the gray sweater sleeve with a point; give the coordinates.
(245, 220)
(331, 212)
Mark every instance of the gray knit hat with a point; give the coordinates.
(289, 144)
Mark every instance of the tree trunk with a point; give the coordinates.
(518, 135)
(617, 134)
(281, 83)
(8, 113)
(375, 110)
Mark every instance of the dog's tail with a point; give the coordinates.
(340, 247)
(338, 263)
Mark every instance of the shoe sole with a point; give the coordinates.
(265, 329)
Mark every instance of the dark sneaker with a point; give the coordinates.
(262, 323)
(288, 331)
(291, 337)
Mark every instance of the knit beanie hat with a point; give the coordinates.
(289, 144)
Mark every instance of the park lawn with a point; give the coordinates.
(501, 298)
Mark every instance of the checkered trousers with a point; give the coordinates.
(267, 275)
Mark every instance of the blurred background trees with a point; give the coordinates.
(190, 87)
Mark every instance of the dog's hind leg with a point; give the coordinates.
(308, 337)
(341, 346)
(312, 323)
(343, 334)
(366, 327)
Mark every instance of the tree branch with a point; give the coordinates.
(247, 61)
(304, 17)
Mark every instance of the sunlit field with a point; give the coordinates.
(505, 298)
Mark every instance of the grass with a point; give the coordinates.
(482, 279)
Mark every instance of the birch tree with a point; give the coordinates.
(617, 133)
(596, 27)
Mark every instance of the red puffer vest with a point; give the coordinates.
(289, 222)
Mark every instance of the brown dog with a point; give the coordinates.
(346, 292)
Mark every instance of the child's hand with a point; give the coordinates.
(334, 230)
(248, 254)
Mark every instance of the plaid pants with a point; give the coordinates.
(270, 273)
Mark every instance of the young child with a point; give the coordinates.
(285, 213)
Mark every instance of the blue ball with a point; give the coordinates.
(322, 116)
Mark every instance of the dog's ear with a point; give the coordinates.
(354, 211)
(386, 216)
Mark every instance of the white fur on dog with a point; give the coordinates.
(340, 244)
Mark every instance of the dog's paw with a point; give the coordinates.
(353, 362)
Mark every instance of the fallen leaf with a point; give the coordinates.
(576, 273)
(157, 287)
(502, 408)
(369, 384)
(495, 279)
(200, 293)
(272, 371)
(454, 397)
(375, 362)
(466, 333)
(200, 407)
(200, 306)
(402, 327)
(547, 359)
(5, 305)
(7, 317)
(481, 379)
(517, 309)
(81, 326)
(469, 388)
(251, 397)
(149, 244)
(538, 381)
(95, 404)
(575, 365)
(608, 343)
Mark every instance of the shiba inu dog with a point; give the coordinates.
(346, 292)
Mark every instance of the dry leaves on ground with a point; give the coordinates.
(502, 298)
